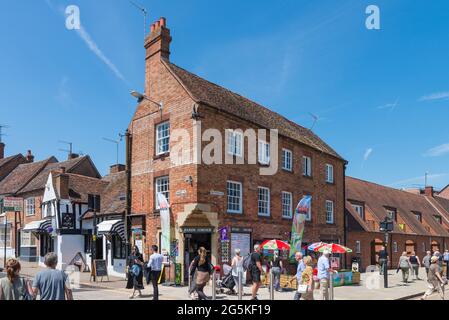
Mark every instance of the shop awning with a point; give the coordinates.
(40, 226)
(111, 227)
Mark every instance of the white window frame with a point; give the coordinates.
(30, 240)
(159, 183)
(329, 211)
(30, 206)
(329, 173)
(263, 203)
(395, 246)
(358, 246)
(287, 155)
(163, 141)
(361, 213)
(391, 214)
(230, 183)
(306, 166)
(8, 235)
(287, 205)
(263, 152)
(309, 213)
(235, 143)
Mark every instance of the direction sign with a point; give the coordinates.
(12, 204)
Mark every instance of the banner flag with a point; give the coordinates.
(164, 208)
(299, 220)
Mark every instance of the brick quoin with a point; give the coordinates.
(194, 205)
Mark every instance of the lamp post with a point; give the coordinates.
(386, 226)
(140, 97)
(4, 240)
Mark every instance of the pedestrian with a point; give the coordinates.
(324, 271)
(446, 261)
(203, 268)
(438, 254)
(299, 270)
(426, 261)
(307, 279)
(135, 272)
(256, 271)
(192, 277)
(404, 265)
(276, 267)
(237, 268)
(434, 280)
(13, 286)
(52, 284)
(382, 259)
(155, 266)
(416, 264)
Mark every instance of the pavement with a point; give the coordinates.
(370, 288)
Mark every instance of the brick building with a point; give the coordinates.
(206, 197)
(8, 164)
(421, 221)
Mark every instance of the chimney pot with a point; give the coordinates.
(152, 28)
(163, 22)
(158, 24)
(72, 156)
(29, 157)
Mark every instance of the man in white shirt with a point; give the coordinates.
(155, 266)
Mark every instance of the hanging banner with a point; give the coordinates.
(299, 220)
(164, 207)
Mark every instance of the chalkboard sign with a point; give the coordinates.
(100, 267)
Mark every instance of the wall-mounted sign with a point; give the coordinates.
(225, 251)
(197, 230)
(223, 233)
(12, 204)
(216, 193)
(181, 192)
(241, 229)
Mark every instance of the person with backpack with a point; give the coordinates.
(135, 272)
(14, 287)
(52, 284)
(255, 269)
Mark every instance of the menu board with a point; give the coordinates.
(241, 241)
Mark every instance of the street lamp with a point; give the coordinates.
(386, 226)
(140, 97)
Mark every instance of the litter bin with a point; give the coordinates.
(356, 264)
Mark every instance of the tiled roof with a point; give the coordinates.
(7, 159)
(18, 159)
(80, 186)
(203, 91)
(41, 179)
(377, 197)
(22, 175)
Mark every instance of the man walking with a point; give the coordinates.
(299, 270)
(155, 266)
(50, 283)
(256, 271)
(383, 259)
(426, 261)
(324, 271)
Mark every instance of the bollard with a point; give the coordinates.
(190, 283)
(240, 285)
(331, 286)
(214, 292)
(271, 286)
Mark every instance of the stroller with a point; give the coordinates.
(227, 282)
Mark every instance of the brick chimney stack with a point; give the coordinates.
(428, 191)
(62, 184)
(72, 156)
(29, 157)
(116, 168)
(157, 46)
(2, 150)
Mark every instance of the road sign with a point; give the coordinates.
(11, 204)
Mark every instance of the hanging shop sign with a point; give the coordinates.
(197, 229)
(223, 233)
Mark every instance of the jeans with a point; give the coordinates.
(297, 296)
(154, 279)
(415, 270)
(277, 277)
(382, 265)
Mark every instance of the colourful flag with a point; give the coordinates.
(301, 211)
(164, 208)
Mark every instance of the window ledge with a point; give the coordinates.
(161, 156)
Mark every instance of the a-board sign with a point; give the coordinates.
(100, 267)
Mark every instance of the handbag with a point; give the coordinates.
(302, 288)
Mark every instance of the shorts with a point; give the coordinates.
(255, 275)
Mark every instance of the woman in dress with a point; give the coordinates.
(203, 268)
(135, 272)
(307, 279)
(237, 268)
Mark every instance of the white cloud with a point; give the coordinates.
(367, 154)
(431, 178)
(436, 96)
(437, 151)
(390, 106)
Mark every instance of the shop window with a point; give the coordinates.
(118, 248)
(27, 239)
(2, 236)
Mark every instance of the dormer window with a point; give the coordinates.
(417, 215)
(360, 209)
(391, 214)
(438, 219)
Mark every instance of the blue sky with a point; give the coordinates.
(382, 96)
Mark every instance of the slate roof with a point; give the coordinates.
(377, 197)
(203, 91)
(22, 175)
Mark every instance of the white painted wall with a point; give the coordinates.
(66, 247)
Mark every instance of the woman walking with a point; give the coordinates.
(14, 287)
(276, 267)
(434, 279)
(307, 279)
(404, 265)
(135, 272)
(201, 265)
(416, 264)
(237, 268)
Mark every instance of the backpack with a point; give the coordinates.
(247, 262)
